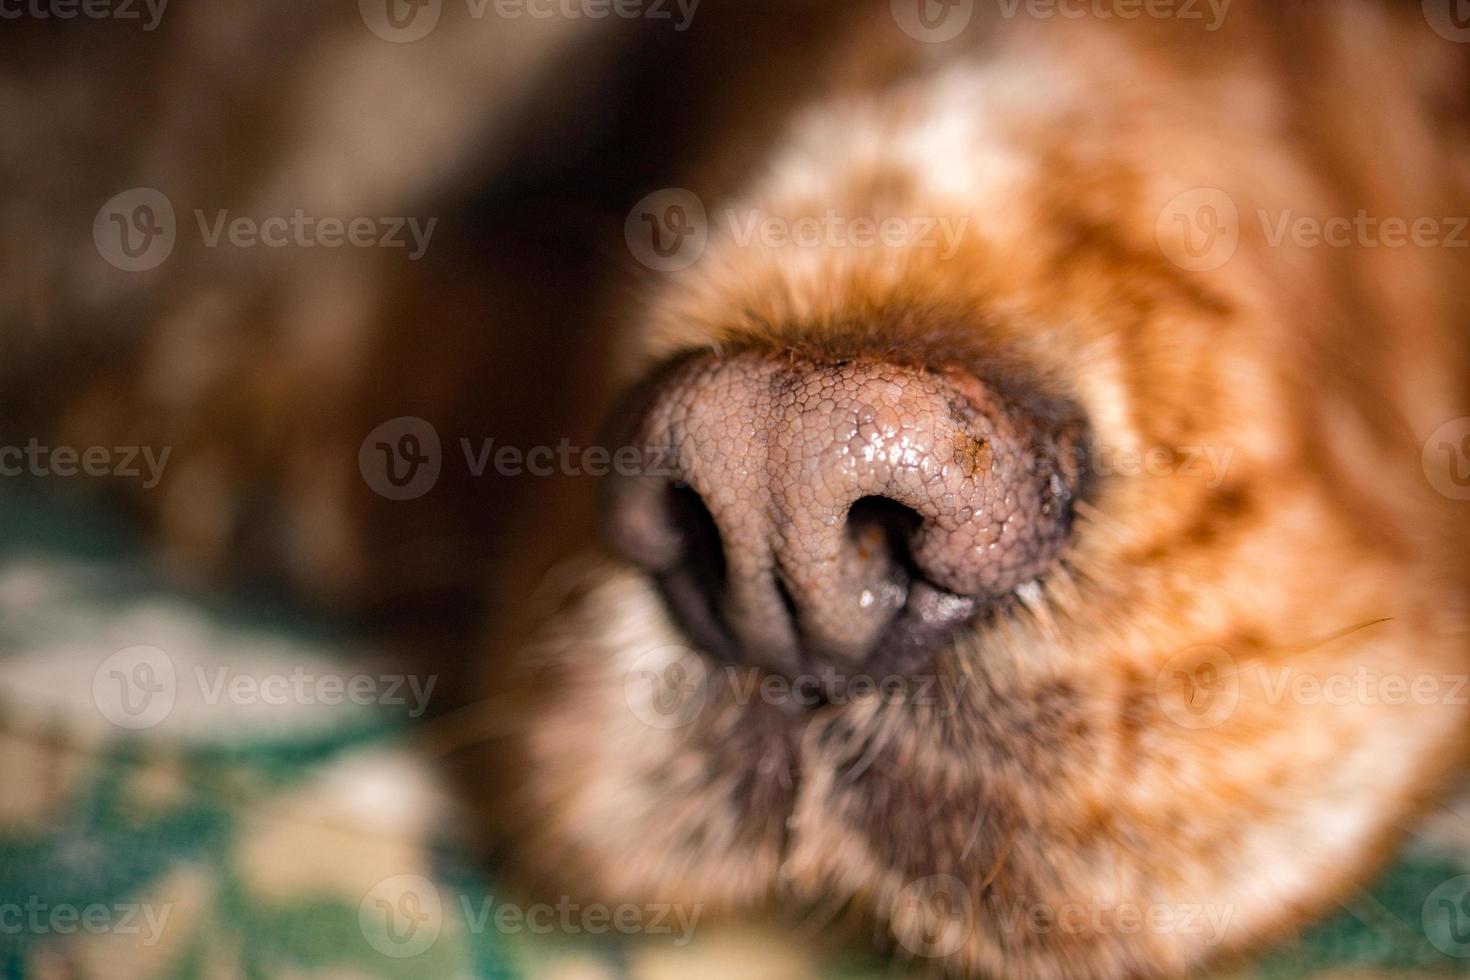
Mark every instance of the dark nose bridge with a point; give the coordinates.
(786, 457)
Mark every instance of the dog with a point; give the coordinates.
(1033, 416)
(1116, 737)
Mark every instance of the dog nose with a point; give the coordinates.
(852, 513)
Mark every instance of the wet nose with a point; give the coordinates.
(853, 513)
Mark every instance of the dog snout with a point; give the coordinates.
(850, 514)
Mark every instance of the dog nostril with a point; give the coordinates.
(843, 511)
(878, 535)
(703, 553)
(877, 524)
(693, 583)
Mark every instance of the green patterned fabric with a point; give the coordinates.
(166, 812)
